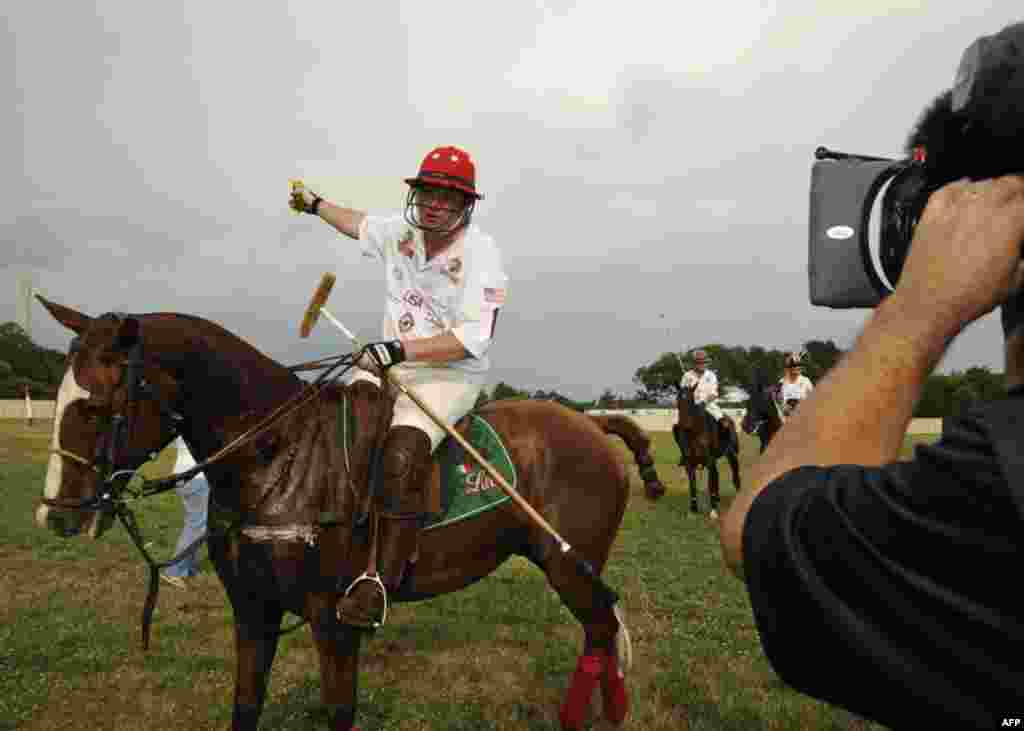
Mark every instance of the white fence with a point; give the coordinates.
(659, 419)
(15, 409)
(649, 419)
(663, 419)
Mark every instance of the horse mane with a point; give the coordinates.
(231, 369)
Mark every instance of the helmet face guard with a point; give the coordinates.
(414, 202)
(446, 168)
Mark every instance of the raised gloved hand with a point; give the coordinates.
(303, 200)
(378, 357)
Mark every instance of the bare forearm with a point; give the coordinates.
(438, 349)
(345, 220)
(858, 413)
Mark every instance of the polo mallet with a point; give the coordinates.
(316, 308)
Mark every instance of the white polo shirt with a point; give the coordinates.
(461, 290)
(799, 389)
(707, 389)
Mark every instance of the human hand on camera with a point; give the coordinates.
(965, 257)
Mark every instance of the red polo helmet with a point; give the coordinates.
(448, 167)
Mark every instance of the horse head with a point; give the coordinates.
(115, 407)
(759, 405)
(689, 410)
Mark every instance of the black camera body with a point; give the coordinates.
(863, 210)
(863, 213)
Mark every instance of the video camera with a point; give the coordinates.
(864, 209)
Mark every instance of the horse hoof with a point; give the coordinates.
(655, 490)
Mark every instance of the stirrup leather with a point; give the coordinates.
(374, 578)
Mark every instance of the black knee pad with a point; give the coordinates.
(405, 463)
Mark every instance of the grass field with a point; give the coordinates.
(496, 656)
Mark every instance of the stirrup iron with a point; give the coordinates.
(374, 578)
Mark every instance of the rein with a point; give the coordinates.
(110, 499)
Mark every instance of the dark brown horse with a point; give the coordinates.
(286, 503)
(701, 445)
(763, 416)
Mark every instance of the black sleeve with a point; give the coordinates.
(895, 591)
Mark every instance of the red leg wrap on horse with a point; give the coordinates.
(584, 680)
(613, 691)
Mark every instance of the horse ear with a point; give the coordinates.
(128, 333)
(71, 319)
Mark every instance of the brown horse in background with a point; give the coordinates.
(286, 502)
(701, 445)
(763, 416)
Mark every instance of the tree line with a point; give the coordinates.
(26, 364)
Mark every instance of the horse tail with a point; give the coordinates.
(639, 444)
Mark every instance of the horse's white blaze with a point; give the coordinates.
(69, 392)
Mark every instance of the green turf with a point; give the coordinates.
(497, 655)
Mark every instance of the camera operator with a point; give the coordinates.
(892, 588)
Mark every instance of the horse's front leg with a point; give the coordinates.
(691, 474)
(257, 624)
(338, 647)
(244, 573)
(713, 486)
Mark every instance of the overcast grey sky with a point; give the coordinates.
(637, 159)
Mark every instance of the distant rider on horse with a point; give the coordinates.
(445, 286)
(706, 393)
(794, 387)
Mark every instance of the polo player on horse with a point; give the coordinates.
(706, 393)
(445, 286)
(794, 387)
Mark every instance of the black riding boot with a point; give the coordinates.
(406, 461)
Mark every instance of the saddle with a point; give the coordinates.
(456, 487)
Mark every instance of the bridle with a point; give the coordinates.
(108, 462)
(114, 477)
(766, 393)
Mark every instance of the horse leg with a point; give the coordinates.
(257, 623)
(681, 443)
(734, 465)
(337, 645)
(713, 486)
(604, 632)
(256, 633)
(691, 474)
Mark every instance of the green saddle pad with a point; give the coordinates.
(466, 489)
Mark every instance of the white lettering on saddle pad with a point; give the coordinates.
(478, 481)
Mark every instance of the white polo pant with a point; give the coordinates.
(450, 393)
(715, 410)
